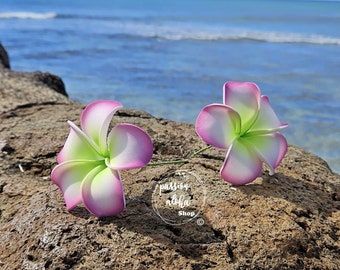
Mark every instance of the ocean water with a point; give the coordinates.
(171, 58)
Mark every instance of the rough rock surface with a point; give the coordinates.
(16, 88)
(4, 59)
(288, 221)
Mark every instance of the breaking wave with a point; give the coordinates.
(273, 37)
(175, 32)
(27, 15)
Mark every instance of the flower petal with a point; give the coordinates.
(271, 148)
(96, 118)
(78, 146)
(129, 147)
(244, 98)
(68, 177)
(218, 125)
(267, 121)
(242, 165)
(102, 192)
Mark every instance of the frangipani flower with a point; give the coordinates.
(247, 127)
(89, 163)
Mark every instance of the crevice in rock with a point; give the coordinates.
(207, 166)
(302, 224)
(2, 187)
(211, 157)
(6, 148)
(218, 234)
(133, 113)
(33, 104)
(206, 264)
(175, 231)
(30, 257)
(48, 264)
(230, 253)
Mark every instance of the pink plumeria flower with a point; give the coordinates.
(89, 163)
(247, 127)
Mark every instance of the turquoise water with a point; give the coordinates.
(171, 58)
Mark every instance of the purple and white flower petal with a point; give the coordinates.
(244, 98)
(129, 147)
(271, 148)
(267, 121)
(68, 176)
(218, 125)
(242, 164)
(102, 192)
(96, 118)
(78, 146)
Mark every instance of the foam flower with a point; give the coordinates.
(90, 161)
(247, 127)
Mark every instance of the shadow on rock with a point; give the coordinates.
(188, 239)
(316, 197)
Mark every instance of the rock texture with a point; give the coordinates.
(4, 59)
(18, 88)
(288, 221)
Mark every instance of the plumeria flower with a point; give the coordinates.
(247, 127)
(89, 163)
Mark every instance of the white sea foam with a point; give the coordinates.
(27, 15)
(182, 32)
(275, 37)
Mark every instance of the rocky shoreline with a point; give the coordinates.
(288, 221)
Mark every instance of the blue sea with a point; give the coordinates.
(171, 57)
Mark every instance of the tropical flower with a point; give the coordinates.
(247, 127)
(89, 163)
